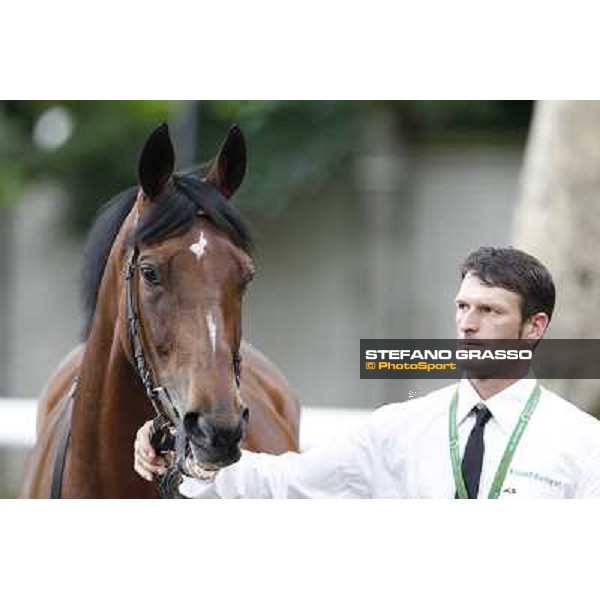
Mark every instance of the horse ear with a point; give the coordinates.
(229, 166)
(157, 161)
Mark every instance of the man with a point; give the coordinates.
(498, 438)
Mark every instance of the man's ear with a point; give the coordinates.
(535, 326)
(157, 162)
(229, 166)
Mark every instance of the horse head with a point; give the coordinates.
(187, 251)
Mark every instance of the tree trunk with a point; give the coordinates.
(558, 221)
(381, 183)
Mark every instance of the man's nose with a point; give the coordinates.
(468, 322)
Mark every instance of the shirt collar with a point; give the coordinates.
(505, 406)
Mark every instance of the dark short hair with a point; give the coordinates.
(516, 271)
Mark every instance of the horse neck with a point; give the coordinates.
(110, 403)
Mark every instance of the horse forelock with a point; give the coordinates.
(173, 213)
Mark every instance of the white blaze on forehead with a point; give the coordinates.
(199, 247)
(212, 330)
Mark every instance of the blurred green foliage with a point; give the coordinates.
(97, 161)
(295, 147)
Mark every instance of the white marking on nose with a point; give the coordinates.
(212, 331)
(199, 247)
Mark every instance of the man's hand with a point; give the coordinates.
(146, 462)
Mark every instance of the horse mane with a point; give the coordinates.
(170, 214)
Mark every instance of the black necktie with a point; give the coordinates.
(473, 459)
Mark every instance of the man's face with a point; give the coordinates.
(487, 313)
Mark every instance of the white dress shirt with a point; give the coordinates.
(402, 451)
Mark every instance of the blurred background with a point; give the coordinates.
(362, 213)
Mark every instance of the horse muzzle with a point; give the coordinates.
(212, 445)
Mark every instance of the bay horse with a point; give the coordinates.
(176, 254)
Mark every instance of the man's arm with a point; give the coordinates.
(340, 470)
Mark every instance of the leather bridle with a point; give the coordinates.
(158, 395)
(167, 422)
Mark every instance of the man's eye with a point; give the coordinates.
(150, 275)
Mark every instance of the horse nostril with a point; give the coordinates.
(196, 428)
(245, 415)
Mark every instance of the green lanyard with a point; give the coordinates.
(508, 453)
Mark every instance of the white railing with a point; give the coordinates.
(17, 423)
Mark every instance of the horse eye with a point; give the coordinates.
(150, 275)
